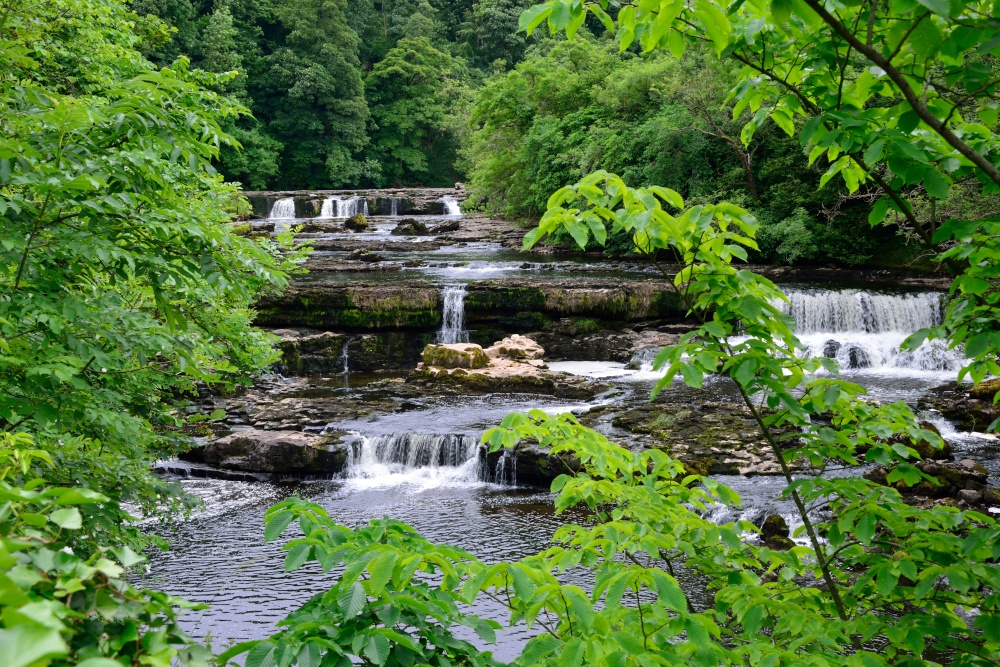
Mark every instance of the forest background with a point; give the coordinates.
(362, 93)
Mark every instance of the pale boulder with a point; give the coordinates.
(516, 347)
(457, 355)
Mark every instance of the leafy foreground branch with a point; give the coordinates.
(881, 582)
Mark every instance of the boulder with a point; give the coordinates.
(364, 255)
(970, 411)
(410, 227)
(357, 223)
(458, 355)
(450, 226)
(774, 531)
(256, 450)
(515, 347)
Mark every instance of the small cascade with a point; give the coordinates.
(453, 319)
(451, 206)
(329, 208)
(394, 205)
(424, 459)
(859, 311)
(351, 206)
(861, 329)
(505, 471)
(642, 359)
(345, 356)
(282, 211)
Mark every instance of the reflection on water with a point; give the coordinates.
(220, 557)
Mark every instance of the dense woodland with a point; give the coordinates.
(863, 132)
(368, 94)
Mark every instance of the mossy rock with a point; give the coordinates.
(357, 223)
(462, 355)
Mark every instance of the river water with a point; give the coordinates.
(422, 465)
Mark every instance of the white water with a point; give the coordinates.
(343, 207)
(282, 210)
(345, 357)
(394, 206)
(422, 460)
(864, 330)
(451, 206)
(453, 319)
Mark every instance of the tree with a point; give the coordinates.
(414, 92)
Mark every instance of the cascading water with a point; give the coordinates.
(423, 459)
(350, 206)
(453, 319)
(394, 205)
(451, 206)
(862, 329)
(345, 356)
(329, 207)
(282, 210)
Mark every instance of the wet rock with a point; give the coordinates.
(957, 402)
(364, 255)
(357, 223)
(858, 358)
(305, 351)
(410, 227)
(516, 347)
(970, 497)
(459, 355)
(831, 348)
(274, 452)
(536, 467)
(444, 228)
(774, 531)
(708, 438)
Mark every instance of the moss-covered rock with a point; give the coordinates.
(275, 452)
(410, 227)
(353, 308)
(460, 355)
(357, 223)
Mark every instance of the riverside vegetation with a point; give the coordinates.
(116, 247)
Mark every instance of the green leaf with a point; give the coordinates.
(297, 556)
(352, 600)
(276, 525)
(377, 649)
(936, 184)
(716, 24)
(879, 211)
(261, 655)
(68, 518)
(693, 376)
(939, 7)
(532, 17)
(30, 646)
(572, 653)
(380, 570)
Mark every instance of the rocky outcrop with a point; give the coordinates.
(410, 227)
(304, 351)
(775, 533)
(395, 306)
(458, 355)
(273, 452)
(971, 410)
(467, 367)
(708, 438)
(515, 347)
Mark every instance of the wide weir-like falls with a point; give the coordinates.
(384, 439)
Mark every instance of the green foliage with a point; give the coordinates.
(791, 239)
(414, 95)
(63, 607)
(575, 106)
(900, 97)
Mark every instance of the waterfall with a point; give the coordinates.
(505, 472)
(424, 459)
(329, 207)
(643, 358)
(345, 207)
(862, 329)
(858, 311)
(344, 356)
(451, 206)
(283, 209)
(453, 319)
(394, 205)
